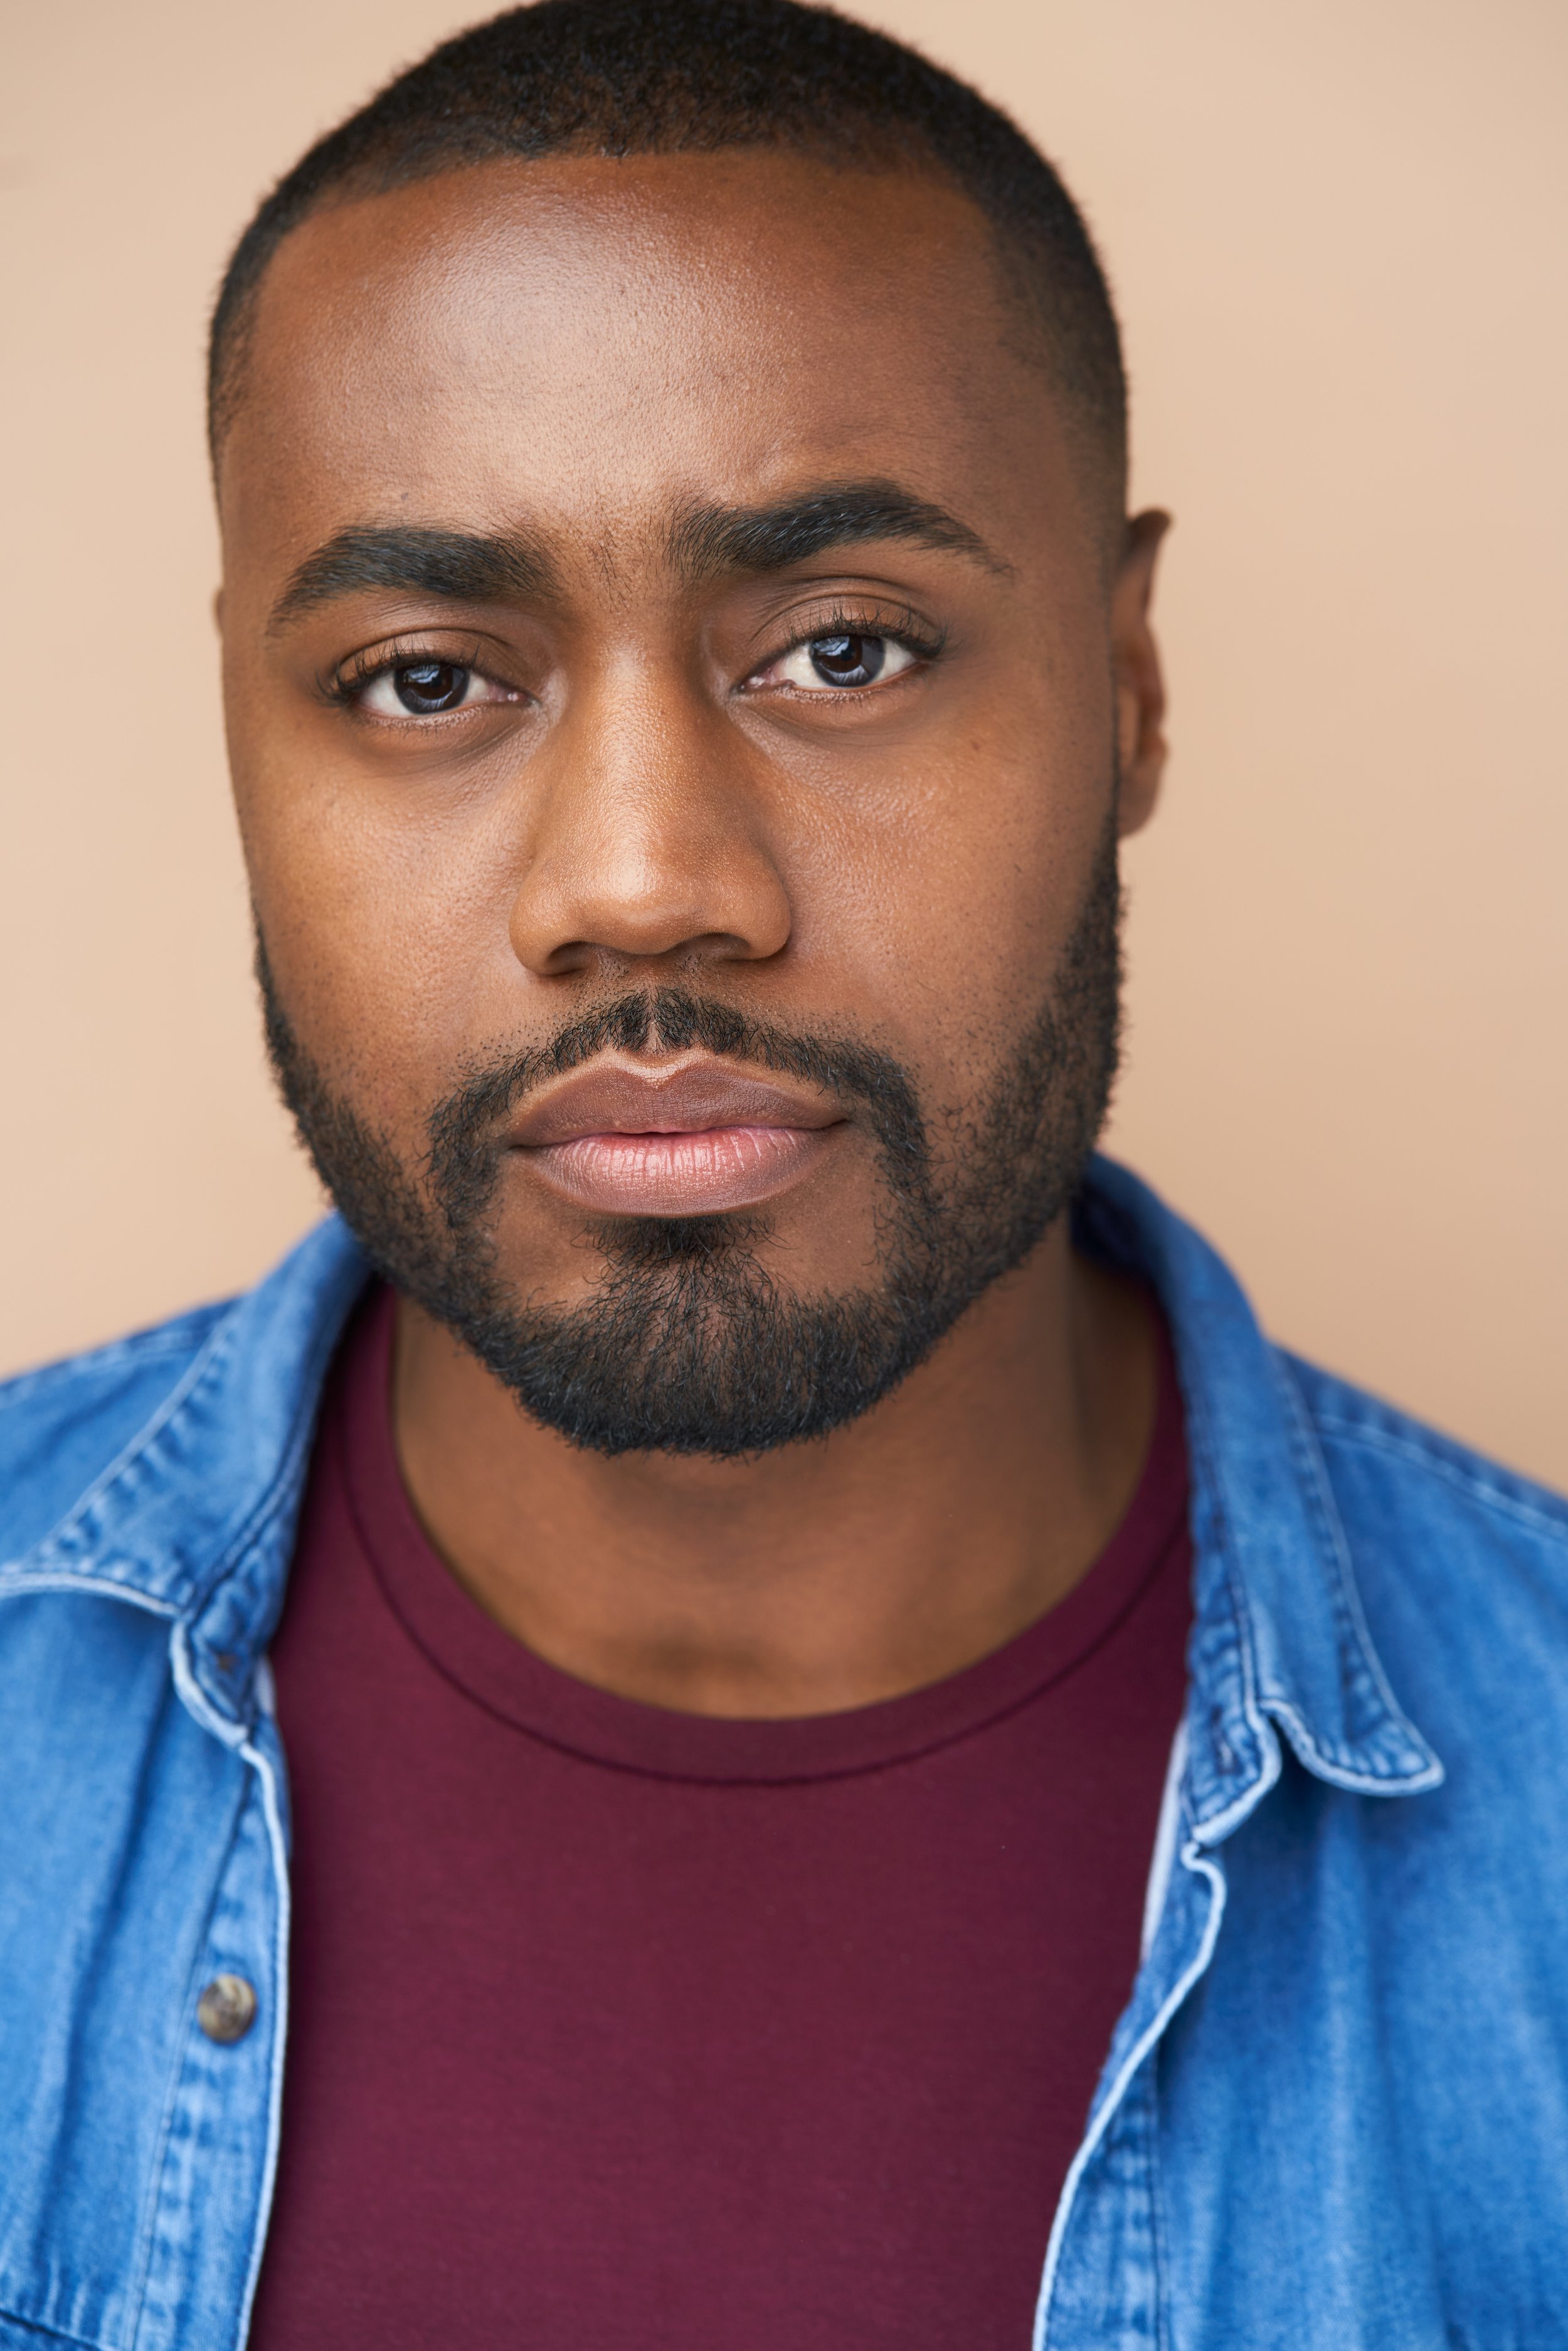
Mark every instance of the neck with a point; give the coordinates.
(824, 1575)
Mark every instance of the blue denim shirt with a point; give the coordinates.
(1335, 2111)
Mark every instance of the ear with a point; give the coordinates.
(1136, 659)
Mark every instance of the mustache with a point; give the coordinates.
(464, 1145)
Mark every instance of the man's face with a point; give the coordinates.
(673, 693)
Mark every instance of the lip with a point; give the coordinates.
(690, 1138)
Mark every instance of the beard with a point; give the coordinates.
(686, 1342)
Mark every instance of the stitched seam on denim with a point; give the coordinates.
(47, 2334)
(288, 1479)
(1193, 1858)
(1469, 1481)
(1200, 1444)
(276, 1843)
(233, 1561)
(1355, 1779)
(15, 1585)
(75, 1528)
(1349, 1615)
(172, 2095)
(140, 1454)
(1118, 1233)
(1159, 2224)
(187, 1337)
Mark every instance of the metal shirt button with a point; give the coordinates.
(226, 2009)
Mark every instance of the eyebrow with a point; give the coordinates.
(464, 567)
(709, 541)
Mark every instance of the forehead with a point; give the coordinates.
(601, 344)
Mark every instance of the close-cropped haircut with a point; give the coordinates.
(615, 78)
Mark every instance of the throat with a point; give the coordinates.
(818, 1577)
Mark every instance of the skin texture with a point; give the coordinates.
(579, 353)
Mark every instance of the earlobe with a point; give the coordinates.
(1138, 778)
(1140, 684)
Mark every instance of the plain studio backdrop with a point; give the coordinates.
(1334, 229)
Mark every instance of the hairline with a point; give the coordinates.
(1021, 282)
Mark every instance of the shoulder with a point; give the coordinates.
(1384, 1457)
(1461, 1565)
(63, 1425)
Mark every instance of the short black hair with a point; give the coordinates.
(662, 77)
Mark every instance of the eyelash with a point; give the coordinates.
(359, 674)
(355, 676)
(905, 629)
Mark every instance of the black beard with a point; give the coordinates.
(686, 1345)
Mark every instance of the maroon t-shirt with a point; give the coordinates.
(613, 2026)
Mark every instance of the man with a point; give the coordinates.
(743, 1709)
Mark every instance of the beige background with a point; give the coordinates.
(1335, 227)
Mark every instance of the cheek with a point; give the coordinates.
(385, 919)
(953, 895)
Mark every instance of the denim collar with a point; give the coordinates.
(196, 1517)
(1279, 1637)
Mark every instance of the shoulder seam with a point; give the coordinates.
(1469, 1481)
(166, 1343)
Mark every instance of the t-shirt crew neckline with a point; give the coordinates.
(512, 1683)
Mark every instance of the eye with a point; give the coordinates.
(425, 687)
(840, 661)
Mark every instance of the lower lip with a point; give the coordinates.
(687, 1174)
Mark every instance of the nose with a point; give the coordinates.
(648, 837)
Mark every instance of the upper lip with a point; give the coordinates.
(681, 1098)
